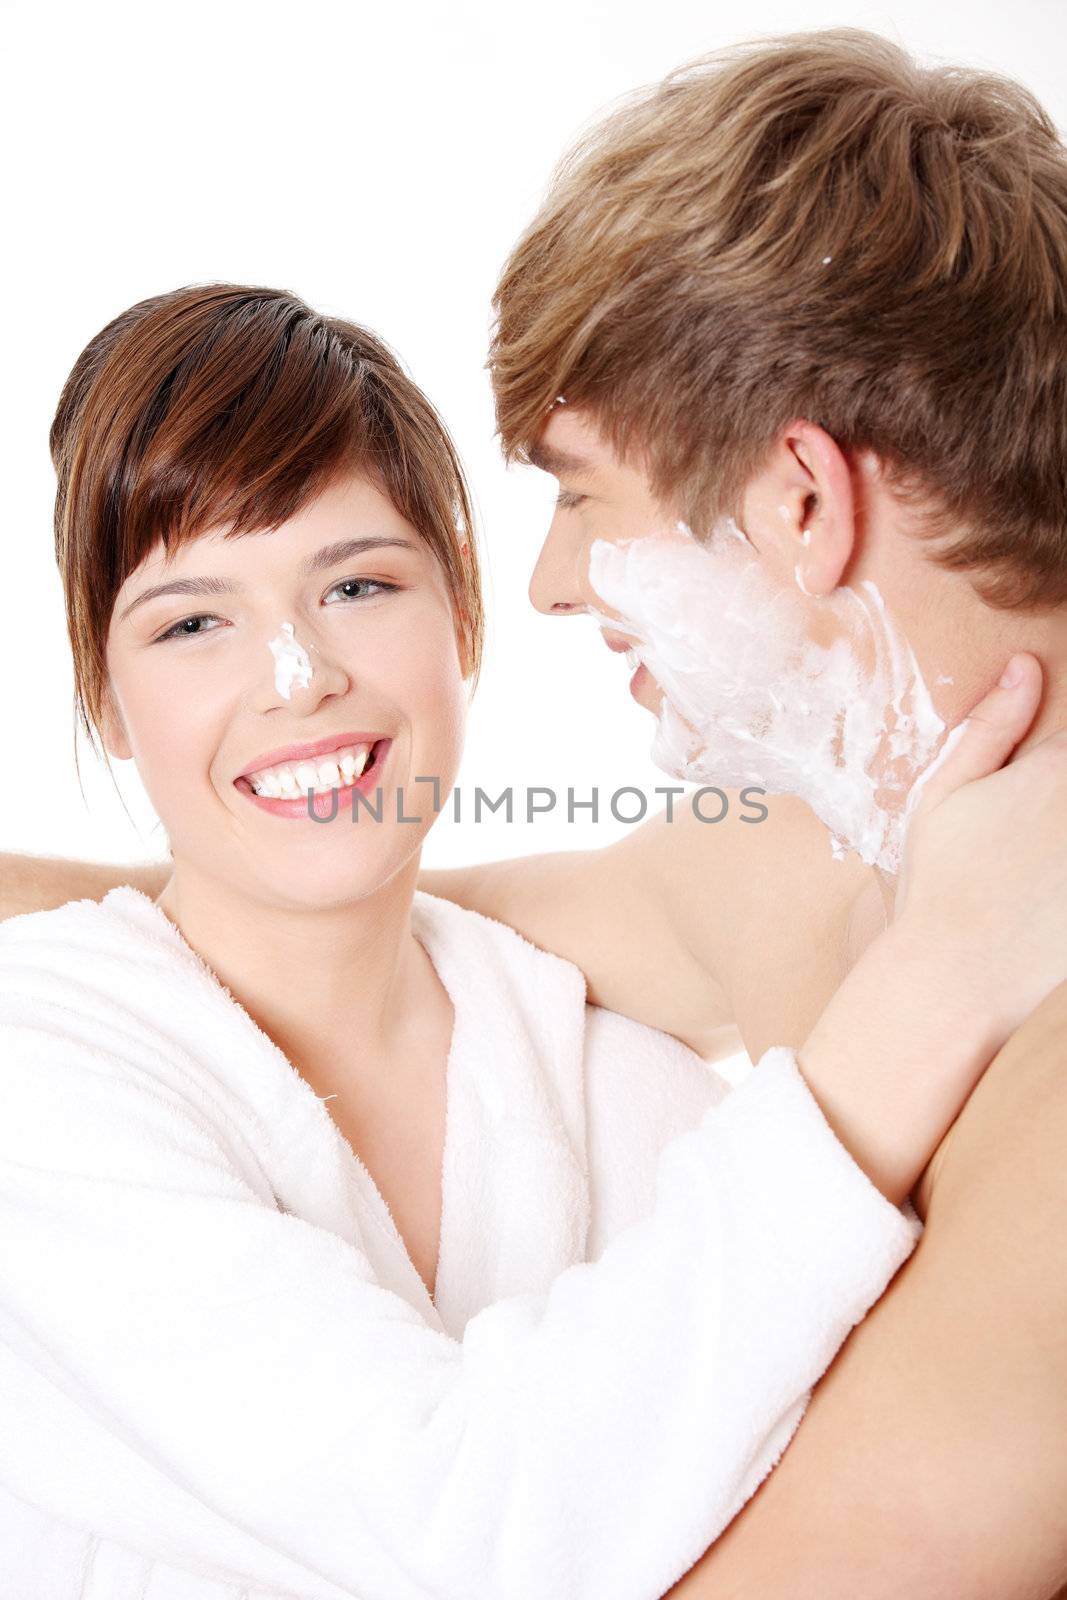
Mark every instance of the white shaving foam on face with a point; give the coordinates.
(292, 664)
(731, 527)
(846, 723)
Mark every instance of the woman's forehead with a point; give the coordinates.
(345, 520)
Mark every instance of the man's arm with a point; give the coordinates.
(932, 1459)
(674, 925)
(40, 883)
(676, 922)
(604, 911)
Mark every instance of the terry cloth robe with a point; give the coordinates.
(222, 1378)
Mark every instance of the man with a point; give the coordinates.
(779, 288)
(814, 288)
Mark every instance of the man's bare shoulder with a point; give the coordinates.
(775, 864)
(686, 913)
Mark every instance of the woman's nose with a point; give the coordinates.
(295, 669)
(556, 586)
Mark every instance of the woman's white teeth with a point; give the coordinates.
(631, 659)
(292, 780)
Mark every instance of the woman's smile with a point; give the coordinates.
(348, 768)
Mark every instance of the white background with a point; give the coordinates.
(379, 160)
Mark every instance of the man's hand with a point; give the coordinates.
(978, 942)
(40, 883)
(984, 874)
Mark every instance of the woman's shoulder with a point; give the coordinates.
(123, 912)
(117, 1045)
(107, 987)
(442, 921)
(489, 968)
(643, 1089)
(644, 1081)
(31, 928)
(636, 1081)
(498, 955)
(104, 947)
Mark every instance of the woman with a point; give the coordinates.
(343, 1246)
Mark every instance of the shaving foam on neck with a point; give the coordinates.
(845, 721)
(292, 664)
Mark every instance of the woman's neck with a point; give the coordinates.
(351, 975)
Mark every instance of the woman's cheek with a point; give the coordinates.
(443, 698)
(171, 722)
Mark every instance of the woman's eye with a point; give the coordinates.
(188, 627)
(567, 499)
(375, 585)
(185, 630)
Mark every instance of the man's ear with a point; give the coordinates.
(805, 496)
(828, 535)
(112, 729)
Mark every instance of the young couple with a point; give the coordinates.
(347, 1249)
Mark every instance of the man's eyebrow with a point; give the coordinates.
(329, 556)
(559, 463)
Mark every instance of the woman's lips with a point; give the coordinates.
(323, 801)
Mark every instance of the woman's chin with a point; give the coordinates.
(322, 892)
(323, 874)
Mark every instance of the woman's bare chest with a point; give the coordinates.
(401, 1144)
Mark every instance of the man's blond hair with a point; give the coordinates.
(815, 226)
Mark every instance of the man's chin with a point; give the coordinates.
(676, 744)
(646, 691)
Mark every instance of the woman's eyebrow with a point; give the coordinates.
(329, 556)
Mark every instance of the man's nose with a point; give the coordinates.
(556, 586)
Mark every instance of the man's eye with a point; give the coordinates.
(566, 500)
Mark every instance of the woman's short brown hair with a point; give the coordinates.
(222, 404)
(815, 226)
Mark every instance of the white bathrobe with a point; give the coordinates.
(222, 1378)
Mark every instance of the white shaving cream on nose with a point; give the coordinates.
(292, 664)
(846, 724)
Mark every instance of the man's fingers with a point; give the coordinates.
(984, 740)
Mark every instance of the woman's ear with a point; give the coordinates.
(111, 727)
